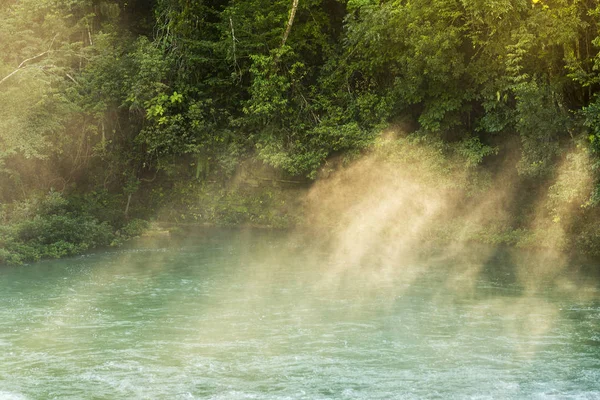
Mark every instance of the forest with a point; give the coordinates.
(116, 115)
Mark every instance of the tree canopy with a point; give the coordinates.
(110, 94)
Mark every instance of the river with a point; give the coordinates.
(247, 314)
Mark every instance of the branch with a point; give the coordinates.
(32, 58)
(73, 79)
(24, 62)
(9, 75)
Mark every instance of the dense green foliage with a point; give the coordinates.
(53, 227)
(133, 97)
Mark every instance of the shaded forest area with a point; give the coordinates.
(114, 111)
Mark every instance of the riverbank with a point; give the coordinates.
(402, 192)
(379, 121)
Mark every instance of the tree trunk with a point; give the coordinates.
(127, 206)
(288, 29)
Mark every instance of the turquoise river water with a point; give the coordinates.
(254, 315)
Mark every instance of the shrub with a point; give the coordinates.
(57, 226)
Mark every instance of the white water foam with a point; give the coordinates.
(11, 396)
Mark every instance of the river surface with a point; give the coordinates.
(254, 315)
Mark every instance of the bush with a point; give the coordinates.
(134, 228)
(55, 226)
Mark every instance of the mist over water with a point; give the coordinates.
(407, 201)
(382, 294)
(233, 314)
(385, 290)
